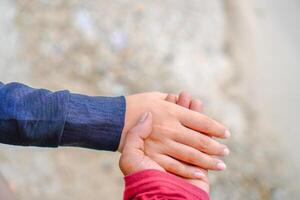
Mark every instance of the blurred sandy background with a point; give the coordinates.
(240, 57)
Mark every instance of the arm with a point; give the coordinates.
(39, 117)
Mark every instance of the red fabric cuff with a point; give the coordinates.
(155, 184)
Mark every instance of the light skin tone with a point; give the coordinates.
(181, 139)
(185, 100)
(134, 159)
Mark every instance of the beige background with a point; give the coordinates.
(240, 57)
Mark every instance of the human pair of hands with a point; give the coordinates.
(172, 135)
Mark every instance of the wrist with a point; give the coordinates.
(130, 117)
(136, 105)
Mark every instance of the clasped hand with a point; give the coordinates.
(169, 133)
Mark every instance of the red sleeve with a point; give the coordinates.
(156, 185)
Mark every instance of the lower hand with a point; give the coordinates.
(133, 158)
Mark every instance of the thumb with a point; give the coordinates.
(144, 126)
(132, 158)
(135, 137)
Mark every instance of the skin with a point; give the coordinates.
(181, 138)
(134, 159)
(185, 100)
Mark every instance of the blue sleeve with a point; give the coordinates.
(94, 122)
(38, 117)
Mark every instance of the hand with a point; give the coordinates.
(133, 158)
(185, 100)
(177, 134)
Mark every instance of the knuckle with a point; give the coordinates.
(157, 132)
(206, 143)
(213, 163)
(152, 149)
(206, 123)
(173, 166)
(165, 129)
(193, 156)
(210, 124)
(212, 127)
(208, 162)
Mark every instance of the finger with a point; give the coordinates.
(207, 144)
(196, 105)
(180, 168)
(194, 157)
(201, 123)
(204, 185)
(201, 142)
(184, 99)
(171, 98)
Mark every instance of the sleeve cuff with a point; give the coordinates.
(94, 122)
(155, 182)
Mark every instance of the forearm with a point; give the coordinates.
(152, 184)
(37, 117)
(31, 117)
(94, 122)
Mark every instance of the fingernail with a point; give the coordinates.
(143, 117)
(227, 134)
(226, 152)
(199, 175)
(221, 166)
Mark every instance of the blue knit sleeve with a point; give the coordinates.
(94, 122)
(31, 117)
(38, 117)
